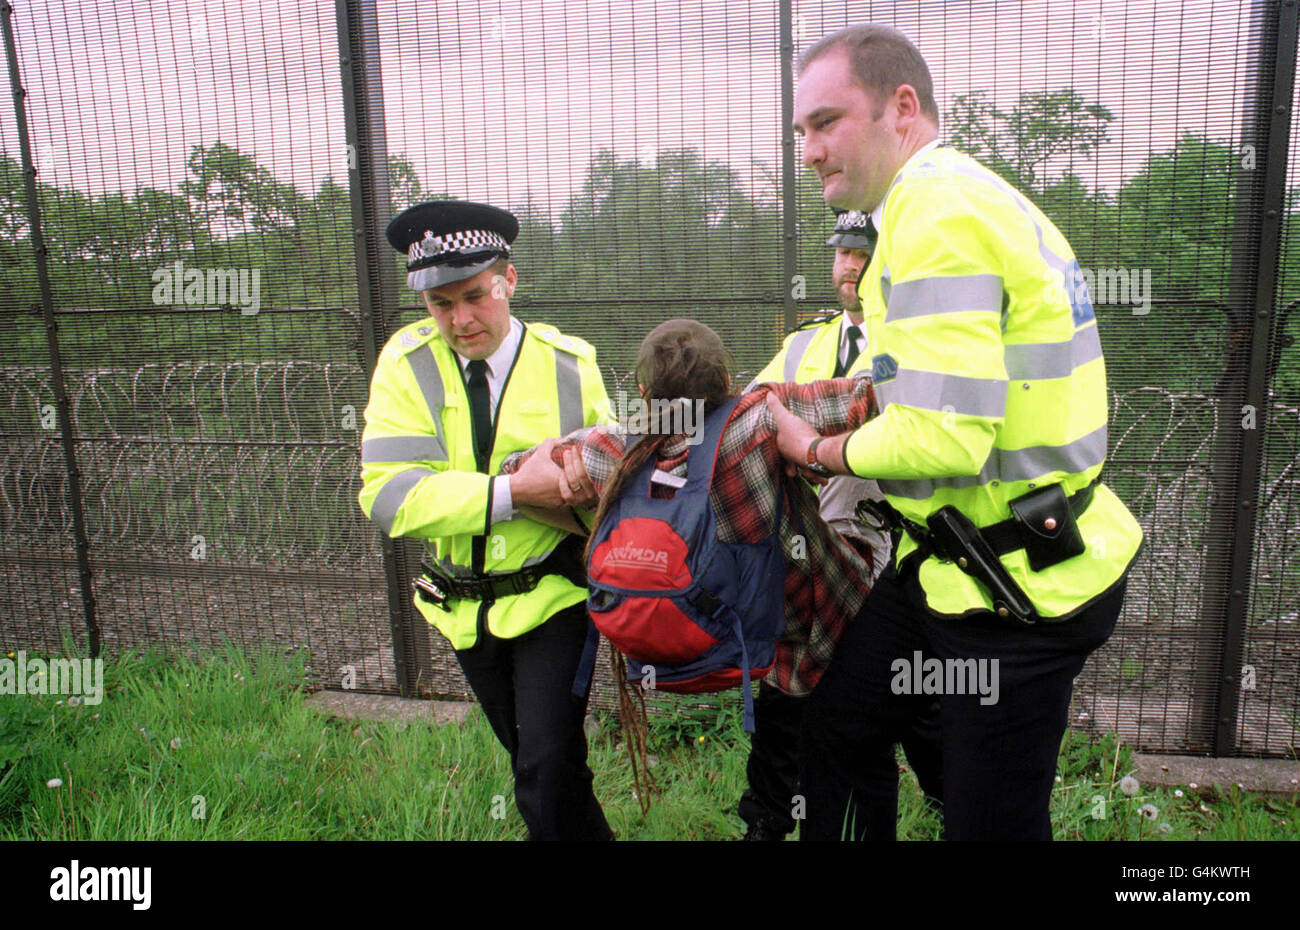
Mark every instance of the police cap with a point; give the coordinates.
(853, 230)
(450, 240)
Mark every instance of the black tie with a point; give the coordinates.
(480, 406)
(842, 369)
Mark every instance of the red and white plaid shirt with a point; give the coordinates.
(826, 579)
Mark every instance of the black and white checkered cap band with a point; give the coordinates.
(465, 241)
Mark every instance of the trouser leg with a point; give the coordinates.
(1000, 746)
(852, 720)
(524, 686)
(553, 783)
(923, 745)
(773, 765)
(489, 669)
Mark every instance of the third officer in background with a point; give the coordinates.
(828, 347)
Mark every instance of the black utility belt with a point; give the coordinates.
(437, 587)
(1043, 522)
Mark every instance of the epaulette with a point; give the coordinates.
(817, 321)
(571, 344)
(412, 336)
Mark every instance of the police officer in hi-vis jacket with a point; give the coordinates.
(989, 446)
(453, 395)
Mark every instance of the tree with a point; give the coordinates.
(1018, 143)
(403, 183)
(228, 185)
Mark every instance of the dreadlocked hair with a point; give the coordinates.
(677, 359)
(636, 728)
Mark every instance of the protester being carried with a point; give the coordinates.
(826, 579)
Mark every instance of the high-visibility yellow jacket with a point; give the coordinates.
(989, 375)
(810, 353)
(419, 476)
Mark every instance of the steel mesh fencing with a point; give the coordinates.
(213, 186)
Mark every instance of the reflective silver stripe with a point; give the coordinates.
(425, 368)
(933, 390)
(450, 567)
(393, 494)
(794, 355)
(1041, 360)
(1011, 465)
(403, 449)
(954, 294)
(568, 385)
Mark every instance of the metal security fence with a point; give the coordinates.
(192, 202)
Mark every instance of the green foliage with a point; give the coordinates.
(1097, 797)
(21, 718)
(695, 719)
(224, 746)
(678, 226)
(1018, 143)
(695, 230)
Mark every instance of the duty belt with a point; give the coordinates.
(1043, 522)
(436, 586)
(1002, 537)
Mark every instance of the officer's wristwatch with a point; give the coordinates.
(814, 466)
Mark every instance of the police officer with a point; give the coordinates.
(988, 447)
(827, 347)
(451, 396)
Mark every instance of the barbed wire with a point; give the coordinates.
(260, 460)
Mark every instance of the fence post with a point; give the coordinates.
(789, 205)
(1260, 209)
(363, 103)
(82, 541)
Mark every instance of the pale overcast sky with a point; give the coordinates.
(495, 99)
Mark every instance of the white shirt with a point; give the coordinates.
(498, 365)
(877, 213)
(845, 323)
(838, 500)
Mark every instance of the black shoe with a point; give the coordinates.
(764, 832)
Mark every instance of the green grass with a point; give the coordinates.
(224, 747)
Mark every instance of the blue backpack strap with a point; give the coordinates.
(701, 457)
(745, 688)
(587, 664)
(701, 460)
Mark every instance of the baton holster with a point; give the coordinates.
(954, 538)
(1043, 522)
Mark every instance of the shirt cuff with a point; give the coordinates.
(502, 503)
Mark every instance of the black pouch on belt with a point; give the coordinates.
(1047, 526)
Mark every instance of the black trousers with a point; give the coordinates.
(773, 765)
(999, 757)
(524, 687)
